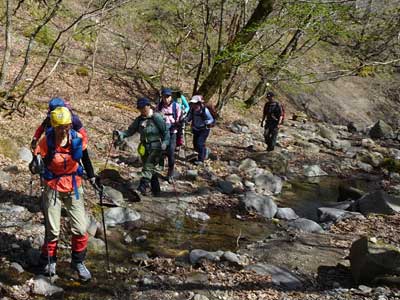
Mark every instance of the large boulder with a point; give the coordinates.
(286, 213)
(269, 182)
(378, 202)
(274, 161)
(120, 215)
(306, 225)
(313, 171)
(369, 260)
(264, 205)
(380, 130)
(330, 214)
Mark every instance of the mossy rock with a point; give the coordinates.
(391, 164)
(82, 71)
(9, 148)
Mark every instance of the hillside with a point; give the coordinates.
(248, 224)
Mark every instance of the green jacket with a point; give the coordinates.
(153, 131)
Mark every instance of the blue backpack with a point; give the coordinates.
(76, 153)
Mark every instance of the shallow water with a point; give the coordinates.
(306, 195)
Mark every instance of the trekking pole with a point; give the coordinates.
(104, 228)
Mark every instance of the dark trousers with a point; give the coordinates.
(170, 154)
(199, 142)
(270, 135)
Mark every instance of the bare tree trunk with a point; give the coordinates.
(76, 21)
(28, 51)
(206, 23)
(7, 44)
(261, 87)
(223, 67)
(95, 51)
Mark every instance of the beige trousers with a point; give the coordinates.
(52, 212)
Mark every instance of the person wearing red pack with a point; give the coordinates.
(61, 155)
(53, 104)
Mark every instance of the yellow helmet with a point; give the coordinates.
(60, 116)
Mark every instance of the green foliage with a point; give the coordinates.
(45, 36)
(391, 164)
(82, 71)
(367, 71)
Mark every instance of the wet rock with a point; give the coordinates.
(238, 126)
(369, 260)
(115, 196)
(365, 289)
(286, 213)
(225, 186)
(96, 245)
(247, 165)
(329, 214)
(365, 167)
(17, 267)
(264, 205)
(305, 225)
(372, 158)
(120, 215)
(199, 297)
(378, 202)
(25, 154)
(269, 182)
(231, 257)
(307, 146)
(274, 161)
(327, 133)
(41, 285)
(349, 192)
(196, 255)
(380, 130)
(192, 174)
(280, 276)
(234, 179)
(198, 215)
(313, 171)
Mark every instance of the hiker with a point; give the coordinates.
(154, 138)
(201, 120)
(61, 149)
(172, 114)
(181, 100)
(53, 104)
(76, 125)
(272, 115)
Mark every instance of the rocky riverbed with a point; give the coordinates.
(248, 224)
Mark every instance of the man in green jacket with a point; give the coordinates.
(154, 139)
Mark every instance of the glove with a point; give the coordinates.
(36, 166)
(96, 183)
(116, 135)
(163, 147)
(33, 143)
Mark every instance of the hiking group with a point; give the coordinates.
(61, 158)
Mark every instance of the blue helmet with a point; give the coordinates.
(142, 102)
(166, 92)
(56, 102)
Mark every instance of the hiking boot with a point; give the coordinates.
(144, 187)
(198, 162)
(48, 269)
(82, 270)
(155, 186)
(47, 266)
